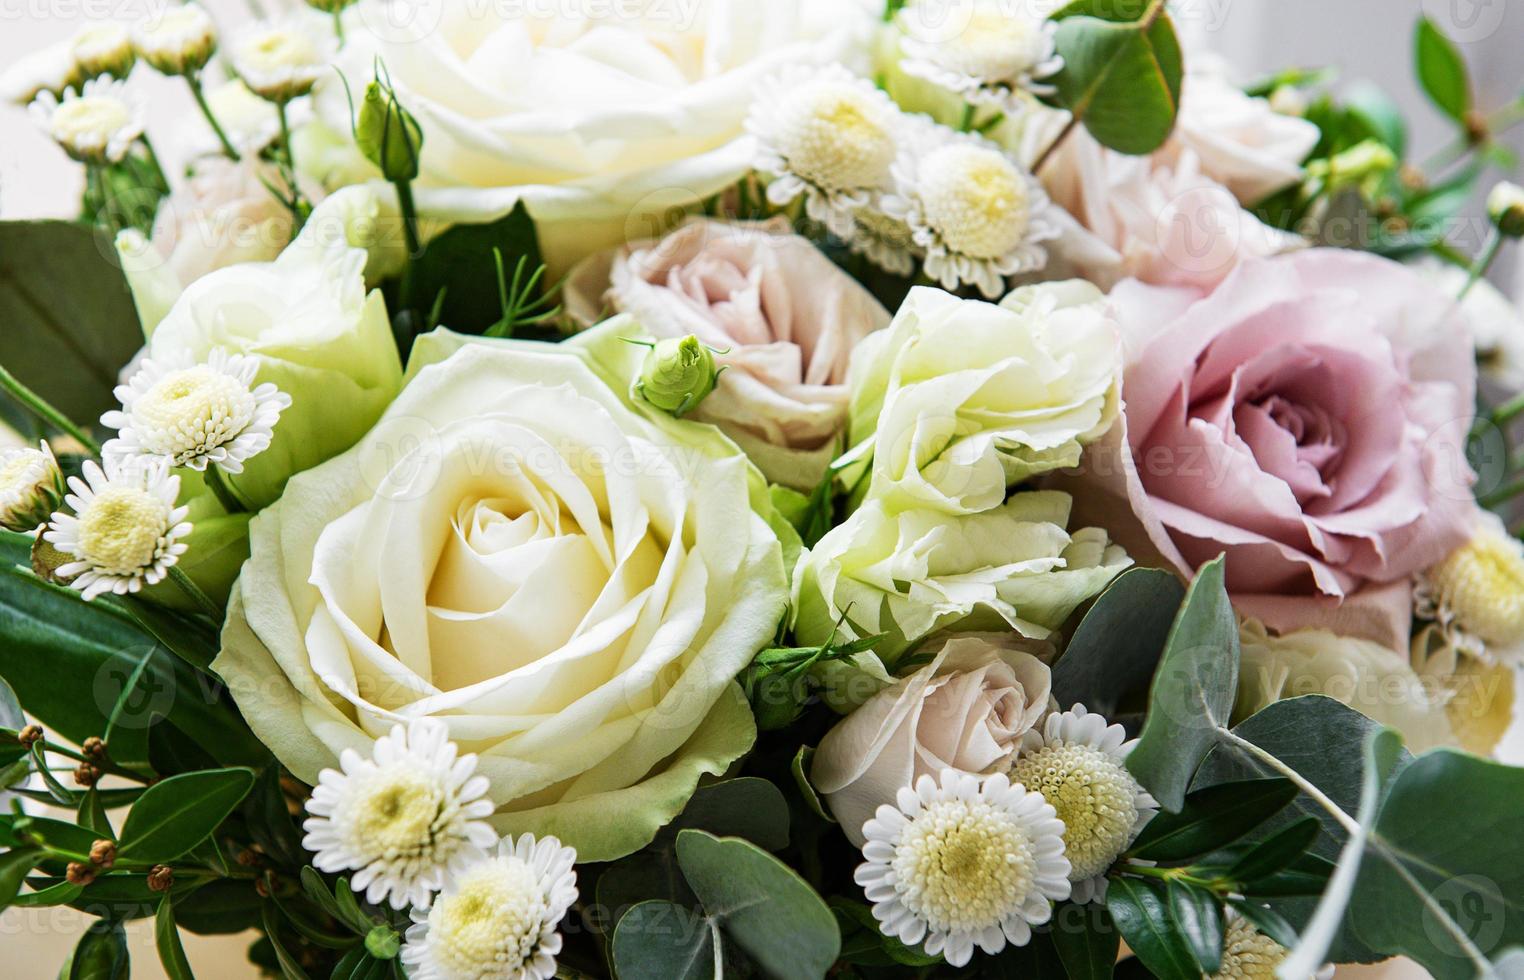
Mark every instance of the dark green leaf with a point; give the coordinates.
(69, 320)
(1193, 690)
(1442, 71)
(1267, 921)
(1198, 917)
(657, 940)
(270, 822)
(864, 942)
(459, 263)
(101, 954)
(92, 815)
(800, 768)
(14, 864)
(167, 938)
(178, 813)
(1276, 852)
(1141, 911)
(1213, 818)
(748, 807)
(1117, 645)
(289, 967)
(647, 875)
(1121, 79)
(1086, 939)
(57, 893)
(761, 905)
(219, 908)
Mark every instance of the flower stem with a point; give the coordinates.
(414, 243)
(1483, 261)
(194, 81)
(223, 491)
(970, 113)
(298, 210)
(194, 593)
(1302, 782)
(39, 407)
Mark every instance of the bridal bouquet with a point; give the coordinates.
(660, 489)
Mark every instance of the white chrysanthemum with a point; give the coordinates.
(196, 415)
(988, 60)
(497, 919)
(125, 530)
(31, 487)
(281, 61)
(51, 69)
(979, 217)
(1077, 763)
(1248, 954)
(1476, 595)
(402, 819)
(178, 40)
(962, 862)
(884, 240)
(96, 125)
(104, 49)
(828, 135)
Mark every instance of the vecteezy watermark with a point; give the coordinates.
(1466, 21)
(404, 21)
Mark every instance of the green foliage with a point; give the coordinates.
(457, 274)
(1442, 71)
(101, 954)
(779, 683)
(166, 937)
(178, 813)
(1212, 818)
(1122, 72)
(1143, 914)
(1118, 643)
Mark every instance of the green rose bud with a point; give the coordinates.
(678, 374)
(388, 134)
(1505, 206)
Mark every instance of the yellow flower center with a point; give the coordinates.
(280, 49)
(490, 925)
(190, 411)
(1248, 954)
(1482, 584)
(395, 814)
(122, 530)
(87, 124)
(1094, 796)
(836, 136)
(996, 47)
(975, 199)
(964, 866)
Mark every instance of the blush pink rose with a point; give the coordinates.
(788, 317)
(1307, 418)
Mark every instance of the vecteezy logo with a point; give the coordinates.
(1466, 20)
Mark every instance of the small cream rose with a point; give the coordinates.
(966, 710)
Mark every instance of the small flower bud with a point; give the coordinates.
(161, 878)
(678, 374)
(1505, 206)
(104, 49)
(86, 775)
(1288, 100)
(46, 560)
(31, 487)
(1363, 165)
(79, 873)
(178, 41)
(383, 943)
(330, 6)
(94, 749)
(30, 735)
(103, 854)
(388, 134)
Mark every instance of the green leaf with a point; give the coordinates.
(761, 905)
(92, 814)
(289, 967)
(101, 954)
(1118, 643)
(748, 807)
(1381, 115)
(14, 864)
(69, 320)
(1442, 71)
(1276, 852)
(59, 893)
(1267, 921)
(459, 263)
(1193, 690)
(1198, 917)
(658, 940)
(1141, 911)
(1121, 79)
(219, 908)
(1088, 949)
(167, 938)
(1213, 818)
(178, 813)
(864, 942)
(651, 874)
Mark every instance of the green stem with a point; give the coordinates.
(223, 491)
(39, 407)
(194, 81)
(298, 211)
(1483, 262)
(1502, 495)
(1174, 874)
(970, 113)
(1302, 782)
(338, 26)
(107, 766)
(414, 243)
(194, 593)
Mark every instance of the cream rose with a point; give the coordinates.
(966, 710)
(959, 399)
(912, 573)
(786, 317)
(604, 120)
(570, 586)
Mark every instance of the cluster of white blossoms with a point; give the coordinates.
(960, 861)
(898, 188)
(409, 822)
(95, 123)
(1476, 595)
(987, 51)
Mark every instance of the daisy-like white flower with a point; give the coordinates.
(1476, 594)
(125, 530)
(51, 69)
(402, 819)
(960, 862)
(980, 49)
(104, 49)
(196, 415)
(882, 239)
(178, 40)
(979, 217)
(96, 125)
(1248, 954)
(281, 61)
(827, 135)
(497, 919)
(1077, 762)
(31, 487)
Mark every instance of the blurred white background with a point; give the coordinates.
(1364, 39)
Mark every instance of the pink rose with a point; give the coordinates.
(222, 215)
(787, 315)
(1308, 419)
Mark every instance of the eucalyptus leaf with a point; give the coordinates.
(1118, 643)
(747, 807)
(1193, 690)
(1121, 79)
(658, 940)
(178, 813)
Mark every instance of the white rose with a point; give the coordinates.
(959, 399)
(604, 119)
(570, 586)
(1497, 326)
(912, 573)
(966, 710)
